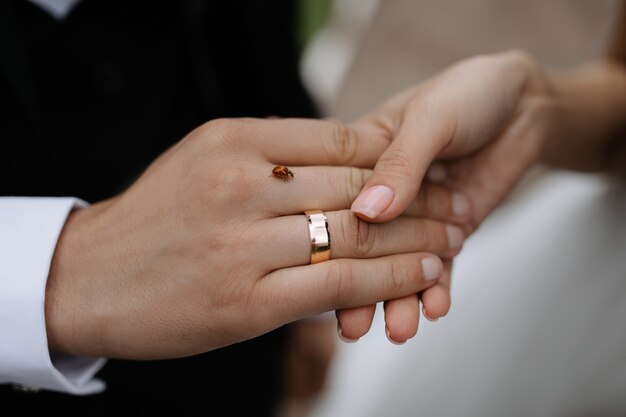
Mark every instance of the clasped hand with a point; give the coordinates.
(207, 248)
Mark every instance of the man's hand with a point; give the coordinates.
(208, 248)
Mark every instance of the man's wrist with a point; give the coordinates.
(58, 325)
(30, 232)
(67, 319)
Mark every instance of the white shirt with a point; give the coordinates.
(57, 8)
(29, 230)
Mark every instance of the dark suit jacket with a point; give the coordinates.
(88, 102)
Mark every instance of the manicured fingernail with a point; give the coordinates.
(373, 201)
(460, 205)
(455, 236)
(427, 316)
(436, 173)
(343, 338)
(431, 268)
(388, 333)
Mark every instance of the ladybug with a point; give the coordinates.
(283, 172)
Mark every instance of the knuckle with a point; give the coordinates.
(397, 164)
(401, 276)
(225, 131)
(364, 237)
(209, 135)
(342, 145)
(344, 229)
(422, 235)
(225, 186)
(354, 183)
(339, 280)
(218, 127)
(234, 188)
(357, 234)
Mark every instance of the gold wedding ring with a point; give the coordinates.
(320, 238)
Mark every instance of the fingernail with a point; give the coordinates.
(431, 268)
(427, 316)
(436, 173)
(390, 339)
(460, 204)
(343, 338)
(455, 236)
(373, 201)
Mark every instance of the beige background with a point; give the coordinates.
(410, 40)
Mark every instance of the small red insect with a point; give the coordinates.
(283, 172)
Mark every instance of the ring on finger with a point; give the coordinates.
(319, 235)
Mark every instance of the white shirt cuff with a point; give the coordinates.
(29, 230)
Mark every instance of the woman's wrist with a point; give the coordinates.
(586, 120)
(538, 101)
(616, 148)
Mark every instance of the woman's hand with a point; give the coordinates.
(480, 102)
(207, 248)
(487, 118)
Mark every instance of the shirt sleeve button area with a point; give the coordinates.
(25, 389)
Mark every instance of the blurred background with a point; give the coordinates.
(538, 319)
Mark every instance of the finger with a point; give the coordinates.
(402, 318)
(354, 323)
(440, 203)
(491, 174)
(287, 239)
(401, 168)
(335, 188)
(436, 299)
(328, 187)
(437, 173)
(315, 142)
(436, 123)
(345, 283)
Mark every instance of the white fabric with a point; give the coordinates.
(537, 326)
(59, 9)
(29, 230)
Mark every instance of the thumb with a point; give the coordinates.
(399, 171)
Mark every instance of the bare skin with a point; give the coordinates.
(208, 248)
